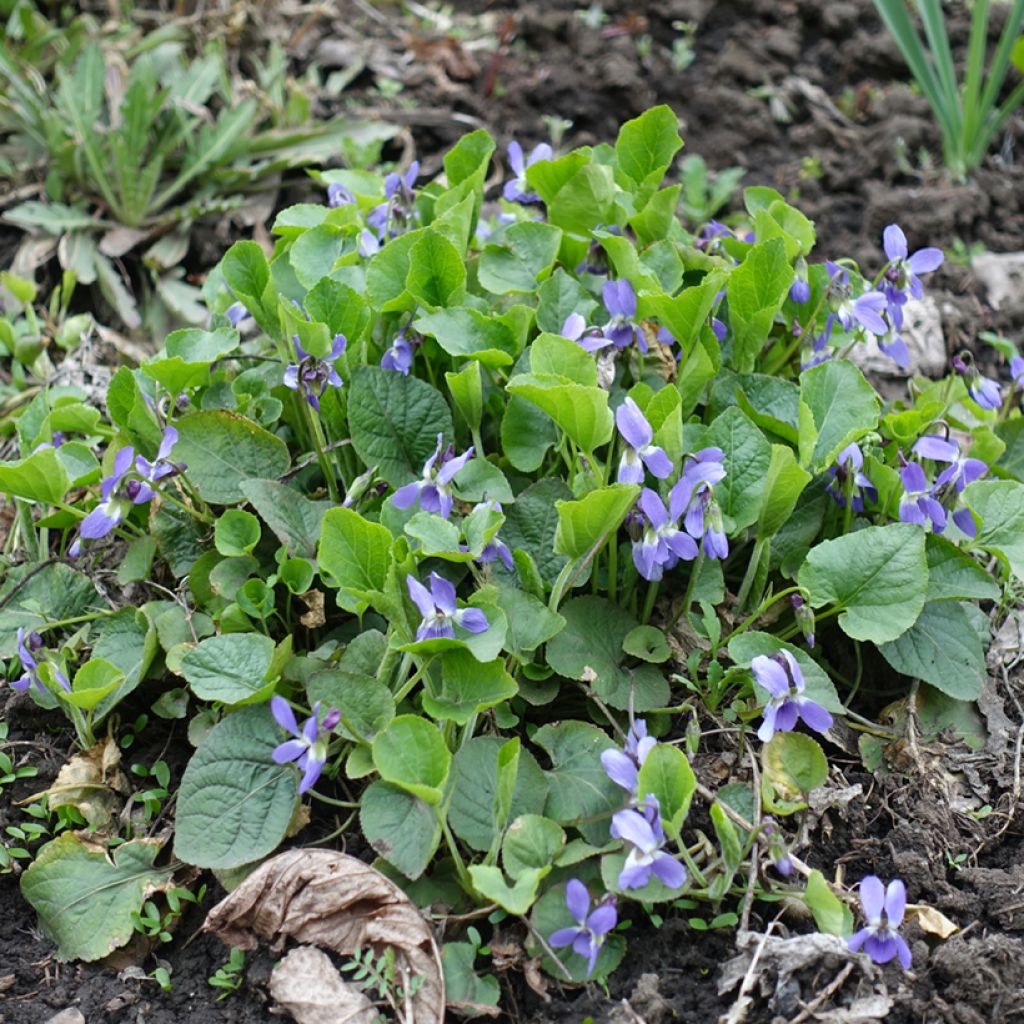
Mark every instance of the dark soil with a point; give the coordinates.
(838, 159)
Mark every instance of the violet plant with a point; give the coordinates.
(486, 469)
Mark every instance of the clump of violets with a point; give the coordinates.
(592, 926)
(308, 748)
(622, 329)
(854, 313)
(662, 545)
(901, 280)
(884, 907)
(985, 391)
(644, 832)
(847, 476)
(917, 504)
(703, 517)
(132, 482)
(516, 190)
(950, 483)
(29, 647)
(440, 613)
(638, 450)
(623, 766)
(780, 675)
(434, 490)
(312, 375)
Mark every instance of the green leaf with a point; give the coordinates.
(127, 641)
(531, 842)
(647, 144)
(878, 576)
(130, 411)
(589, 647)
(784, 483)
(340, 307)
(954, 576)
(516, 899)
(756, 290)
(85, 896)
(584, 201)
(582, 412)
(53, 218)
(468, 687)
(470, 334)
(231, 668)
(387, 272)
(400, 828)
(586, 524)
(526, 434)
(235, 804)
(314, 253)
(525, 256)
(187, 357)
(747, 461)
(366, 705)
(647, 643)
(732, 850)
(667, 774)
(475, 789)
(470, 156)
(466, 991)
(295, 520)
(794, 763)
(744, 648)
(410, 753)
(841, 406)
(39, 477)
(687, 312)
(560, 295)
(531, 524)
(91, 683)
(830, 914)
(553, 355)
(577, 784)
(466, 389)
(395, 421)
(247, 274)
(355, 556)
(479, 480)
(940, 648)
(32, 596)
(437, 273)
(1000, 506)
(223, 449)
(236, 532)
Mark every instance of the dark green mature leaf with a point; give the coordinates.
(954, 575)
(531, 524)
(235, 803)
(468, 687)
(1000, 506)
(470, 334)
(526, 254)
(294, 518)
(31, 596)
(399, 827)
(85, 896)
(577, 784)
(747, 460)
(223, 449)
(591, 642)
(878, 576)
(940, 648)
(232, 668)
(128, 641)
(395, 421)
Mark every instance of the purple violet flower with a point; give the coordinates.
(645, 834)
(892, 344)
(592, 926)
(440, 615)
(516, 190)
(884, 908)
(950, 483)
(392, 216)
(434, 490)
(369, 244)
(590, 339)
(865, 311)
(917, 505)
(780, 675)
(639, 452)
(236, 313)
(1017, 371)
(849, 471)
(314, 375)
(309, 747)
(985, 391)
(620, 301)
(117, 499)
(703, 518)
(28, 648)
(399, 354)
(622, 766)
(662, 544)
(153, 472)
(901, 273)
(800, 291)
(339, 195)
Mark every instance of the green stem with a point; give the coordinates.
(613, 567)
(346, 804)
(691, 583)
(754, 616)
(751, 574)
(320, 443)
(460, 865)
(652, 596)
(407, 686)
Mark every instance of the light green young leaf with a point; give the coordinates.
(837, 407)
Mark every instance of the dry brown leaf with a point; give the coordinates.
(321, 898)
(309, 987)
(90, 782)
(932, 921)
(314, 601)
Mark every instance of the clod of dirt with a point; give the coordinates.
(308, 986)
(804, 972)
(331, 900)
(1002, 276)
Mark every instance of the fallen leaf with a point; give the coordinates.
(309, 987)
(320, 898)
(933, 921)
(314, 618)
